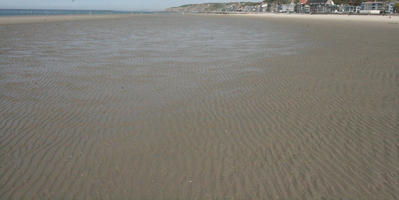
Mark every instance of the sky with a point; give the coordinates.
(139, 5)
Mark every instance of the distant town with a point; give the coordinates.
(296, 6)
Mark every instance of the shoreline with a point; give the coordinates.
(363, 18)
(4, 20)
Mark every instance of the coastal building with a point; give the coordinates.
(302, 7)
(249, 9)
(284, 8)
(259, 8)
(265, 7)
(275, 7)
(372, 7)
(291, 7)
(288, 8)
(298, 8)
(391, 7)
(321, 6)
(231, 8)
(348, 9)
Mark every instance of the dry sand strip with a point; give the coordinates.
(365, 18)
(55, 18)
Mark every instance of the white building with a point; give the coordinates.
(372, 8)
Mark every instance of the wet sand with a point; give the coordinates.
(199, 107)
(55, 18)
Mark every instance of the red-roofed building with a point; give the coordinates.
(303, 1)
(302, 7)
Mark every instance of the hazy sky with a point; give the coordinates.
(102, 4)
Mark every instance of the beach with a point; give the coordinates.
(59, 18)
(200, 107)
(56, 18)
(342, 17)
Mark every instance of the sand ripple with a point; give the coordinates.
(171, 107)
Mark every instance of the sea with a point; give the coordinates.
(14, 12)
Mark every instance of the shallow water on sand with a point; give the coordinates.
(195, 107)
